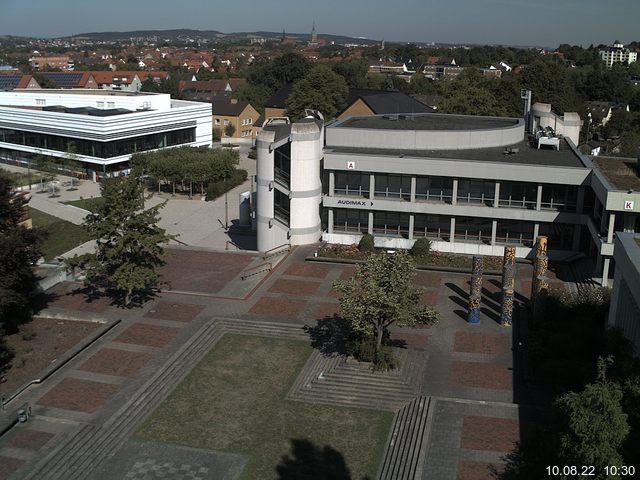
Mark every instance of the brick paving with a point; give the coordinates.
(9, 466)
(178, 312)
(308, 270)
(324, 310)
(29, 439)
(204, 272)
(428, 279)
(113, 361)
(298, 287)
(430, 298)
(489, 433)
(480, 375)
(150, 335)
(78, 395)
(278, 307)
(472, 470)
(480, 342)
(69, 296)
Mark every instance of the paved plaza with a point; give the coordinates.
(83, 416)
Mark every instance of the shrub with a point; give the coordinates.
(366, 243)
(253, 154)
(363, 348)
(427, 316)
(215, 189)
(421, 248)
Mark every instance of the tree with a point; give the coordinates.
(595, 425)
(129, 248)
(19, 251)
(472, 101)
(322, 89)
(382, 293)
(229, 130)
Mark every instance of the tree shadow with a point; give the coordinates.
(329, 335)
(310, 462)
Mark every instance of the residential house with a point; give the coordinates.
(12, 81)
(362, 102)
(71, 79)
(616, 53)
(276, 105)
(43, 62)
(239, 114)
(209, 90)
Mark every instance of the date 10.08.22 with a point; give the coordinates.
(590, 471)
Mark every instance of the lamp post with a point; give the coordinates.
(226, 205)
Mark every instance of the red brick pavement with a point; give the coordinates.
(306, 269)
(78, 395)
(489, 433)
(112, 361)
(204, 272)
(294, 287)
(414, 341)
(480, 375)
(478, 342)
(428, 279)
(278, 307)
(9, 466)
(178, 312)
(67, 296)
(470, 470)
(430, 297)
(347, 273)
(150, 335)
(324, 310)
(29, 439)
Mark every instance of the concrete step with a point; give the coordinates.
(350, 400)
(403, 454)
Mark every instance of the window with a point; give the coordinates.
(281, 206)
(471, 229)
(217, 121)
(351, 184)
(41, 101)
(345, 220)
(393, 186)
(249, 121)
(437, 227)
(476, 191)
(518, 195)
(434, 189)
(100, 104)
(111, 104)
(225, 122)
(391, 224)
(514, 232)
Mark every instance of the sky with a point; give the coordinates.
(506, 22)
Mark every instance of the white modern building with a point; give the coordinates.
(469, 184)
(616, 53)
(101, 129)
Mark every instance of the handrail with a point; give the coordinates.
(263, 267)
(229, 242)
(273, 252)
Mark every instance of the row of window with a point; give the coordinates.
(471, 191)
(98, 149)
(438, 227)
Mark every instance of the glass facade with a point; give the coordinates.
(282, 165)
(559, 197)
(434, 189)
(514, 232)
(393, 186)
(281, 206)
(350, 221)
(560, 235)
(391, 224)
(473, 230)
(352, 184)
(518, 195)
(93, 148)
(436, 227)
(476, 191)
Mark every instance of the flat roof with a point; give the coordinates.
(527, 155)
(620, 172)
(82, 91)
(428, 121)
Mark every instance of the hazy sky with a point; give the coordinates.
(512, 22)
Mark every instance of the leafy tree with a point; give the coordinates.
(472, 101)
(256, 95)
(129, 248)
(382, 293)
(322, 89)
(366, 243)
(353, 71)
(229, 130)
(19, 251)
(595, 425)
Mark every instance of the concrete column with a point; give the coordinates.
(612, 222)
(413, 190)
(536, 231)
(494, 229)
(598, 263)
(539, 198)
(595, 207)
(496, 197)
(454, 192)
(576, 238)
(370, 225)
(452, 232)
(605, 271)
(580, 200)
(411, 225)
(372, 185)
(330, 221)
(332, 183)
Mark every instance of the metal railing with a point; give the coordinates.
(391, 231)
(351, 191)
(353, 228)
(229, 242)
(258, 269)
(434, 197)
(400, 194)
(279, 250)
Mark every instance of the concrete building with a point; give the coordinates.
(624, 312)
(102, 129)
(469, 184)
(616, 53)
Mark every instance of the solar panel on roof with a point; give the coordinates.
(9, 82)
(63, 79)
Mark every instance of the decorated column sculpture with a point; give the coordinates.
(539, 284)
(475, 293)
(508, 285)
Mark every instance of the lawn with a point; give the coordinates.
(63, 235)
(90, 204)
(22, 179)
(234, 401)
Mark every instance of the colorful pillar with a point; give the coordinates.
(540, 265)
(475, 292)
(508, 285)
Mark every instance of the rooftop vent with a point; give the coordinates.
(393, 118)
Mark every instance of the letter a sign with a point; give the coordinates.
(628, 204)
(351, 165)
